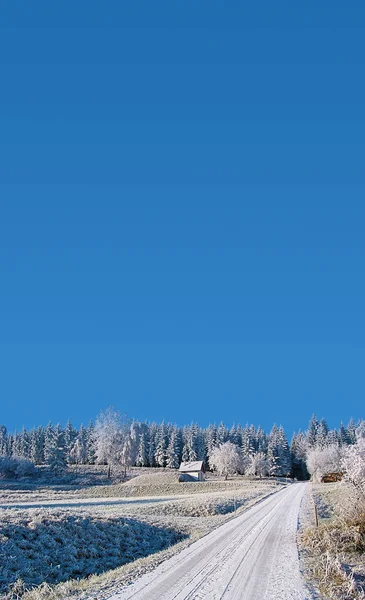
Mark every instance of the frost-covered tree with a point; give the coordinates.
(161, 446)
(153, 431)
(351, 430)
(312, 432)
(360, 431)
(278, 453)
(322, 461)
(344, 437)
(261, 441)
(332, 438)
(70, 435)
(91, 444)
(37, 438)
(56, 455)
(234, 435)
(78, 453)
(111, 434)
(193, 444)
(142, 454)
(186, 445)
(173, 450)
(49, 433)
(200, 448)
(353, 464)
(248, 443)
(130, 446)
(210, 442)
(258, 465)
(3, 441)
(222, 434)
(226, 459)
(298, 452)
(322, 434)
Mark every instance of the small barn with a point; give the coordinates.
(192, 471)
(331, 477)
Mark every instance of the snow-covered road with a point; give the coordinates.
(251, 557)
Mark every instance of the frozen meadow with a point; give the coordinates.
(94, 541)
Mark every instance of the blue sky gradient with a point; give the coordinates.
(182, 211)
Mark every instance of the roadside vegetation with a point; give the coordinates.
(335, 549)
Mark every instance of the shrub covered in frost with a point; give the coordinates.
(11, 467)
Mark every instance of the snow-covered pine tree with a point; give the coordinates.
(233, 436)
(201, 452)
(343, 436)
(70, 435)
(312, 432)
(186, 442)
(298, 452)
(49, 433)
(78, 452)
(279, 453)
(153, 430)
(222, 434)
(161, 446)
(56, 454)
(91, 444)
(332, 438)
(37, 445)
(322, 434)
(142, 454)
(261, 440)
(193, 444)
(193, 437)
(173, 460)
(23, 448)
(82, 439)
(248, 447)
(351, 430)
(17, 445)
(3, 441)
(360, 430)
(210, 442)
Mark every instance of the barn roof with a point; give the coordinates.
(192, 467)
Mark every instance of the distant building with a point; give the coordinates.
(192, 471)
(331, 477)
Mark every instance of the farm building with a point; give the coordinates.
(192, 471)
(331, 477)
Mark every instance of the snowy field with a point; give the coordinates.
(102, 542)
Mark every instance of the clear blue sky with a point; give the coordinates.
(182, 211)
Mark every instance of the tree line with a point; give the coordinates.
(120, 443)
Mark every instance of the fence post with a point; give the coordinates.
(315, 509)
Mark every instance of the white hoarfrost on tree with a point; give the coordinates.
(353, 464)
(226, 459)
(116, 443)
(257, 465)
(322, 461)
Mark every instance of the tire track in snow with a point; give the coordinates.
(251, 557)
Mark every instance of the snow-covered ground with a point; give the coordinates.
(252, 557)
(57, 541)
(80, 502)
